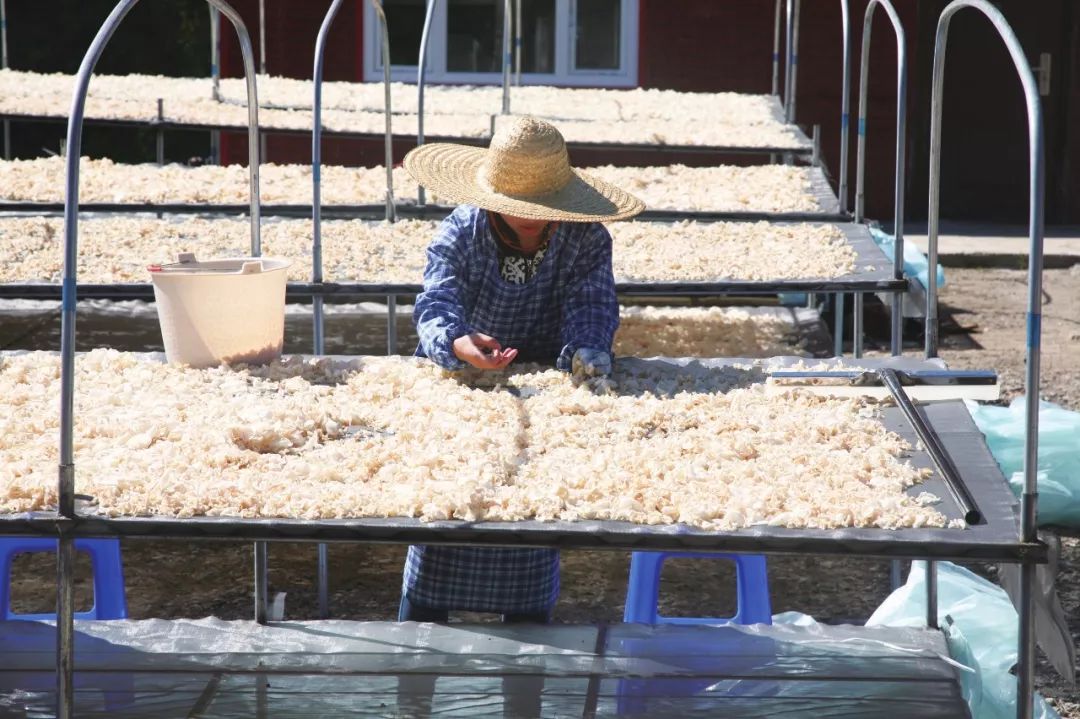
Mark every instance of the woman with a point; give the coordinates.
(522, 269)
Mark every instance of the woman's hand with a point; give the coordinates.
(482, 351)
(591, 363)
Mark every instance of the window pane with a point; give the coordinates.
(598, 34)
(474, 35)
(538, 35)
(404, 24)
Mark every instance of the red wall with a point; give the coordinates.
(728, 47)
(291, 29)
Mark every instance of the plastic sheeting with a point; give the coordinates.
(916, 264)
(226, 669)
(987, 624)
(1059, 455)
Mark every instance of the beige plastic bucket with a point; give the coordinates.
(229, 310)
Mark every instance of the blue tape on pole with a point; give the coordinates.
(862, 126)
(1034, 329)
(68, 290)
(316, 172)
(213, 69)
(794, 59)
(776, 57)
(844, 121)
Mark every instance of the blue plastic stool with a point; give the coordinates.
(643, 589)
(108, 571)
(642, 595)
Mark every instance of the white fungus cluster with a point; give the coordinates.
(537, 100)
(764, 188)
(702, 332)
(105, 181)
(119, 249)
(583, 115)
(319, 438)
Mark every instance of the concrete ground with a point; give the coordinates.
(965, 244)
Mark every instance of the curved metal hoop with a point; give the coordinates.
(66, 479)
(421, 76)
(71, 213)
(845, 105)
(391, 213)
(316, 173)
(1036, 188)
(508, 50)
(901, 148)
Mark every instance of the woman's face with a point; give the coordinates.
(525, 229)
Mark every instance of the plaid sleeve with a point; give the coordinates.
(439, 312)
(590, 310)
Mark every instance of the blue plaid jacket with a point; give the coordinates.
(570, 303)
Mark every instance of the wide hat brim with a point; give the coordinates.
(452, 172)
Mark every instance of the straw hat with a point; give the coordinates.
(524, 173)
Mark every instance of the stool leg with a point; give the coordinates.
(752, 588)
(108, 570)
(643, 587)
(5, 586)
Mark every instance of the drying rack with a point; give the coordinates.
(406, 207)
(1001, 535)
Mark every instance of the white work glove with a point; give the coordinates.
(590, 363)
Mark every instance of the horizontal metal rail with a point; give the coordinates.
(906, 377)
(378, 212)
(307, 290)
(979, 542)
(409, 141)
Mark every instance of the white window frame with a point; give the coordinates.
(565, 47)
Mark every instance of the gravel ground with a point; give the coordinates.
(178, 579)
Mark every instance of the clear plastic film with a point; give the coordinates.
(218, 668)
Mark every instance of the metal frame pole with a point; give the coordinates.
(421, 75)
(792, 67)
(507, 53)
(262, 584)
(262, 63)
(517, 42)
(215, 78)
(66, 480)
(317, 329)
(3, 34)
(931, 594)
(215, 53)
(776, 50)
(857, 334)
(391, 324)
(316, 174)
(896, 339)
(4, 65)
(838, 325)
(391, 214)
(845, 105)
(789, 24)
(262, 37)
(160, 139)
(1025, 666)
